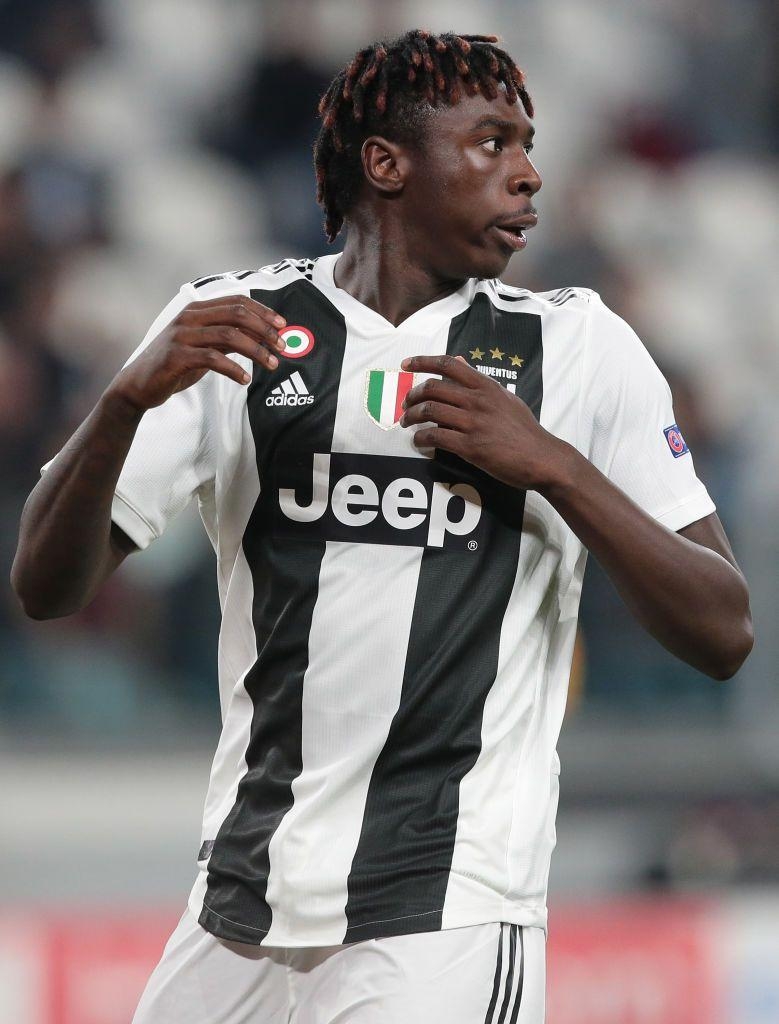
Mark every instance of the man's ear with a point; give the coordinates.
(385, 164)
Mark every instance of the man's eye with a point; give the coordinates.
(496, 144)
(528, 148)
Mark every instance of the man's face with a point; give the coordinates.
(469, 191)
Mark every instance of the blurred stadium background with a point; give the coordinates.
(146, 143)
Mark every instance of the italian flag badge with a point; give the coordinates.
(384, 394)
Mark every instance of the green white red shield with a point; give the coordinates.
(384, 394)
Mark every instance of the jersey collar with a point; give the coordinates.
(424, 319)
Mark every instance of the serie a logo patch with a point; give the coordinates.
(676, 442)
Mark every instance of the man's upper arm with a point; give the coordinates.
(627, 419)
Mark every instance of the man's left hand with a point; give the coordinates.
(479, 420)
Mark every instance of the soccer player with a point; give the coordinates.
(401, 463)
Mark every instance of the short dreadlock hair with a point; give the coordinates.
(388, 88)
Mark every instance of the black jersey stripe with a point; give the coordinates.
(521, 981)
(285, 579)
(201, 281)
(400, 869)
(563, 296)
(304, 267)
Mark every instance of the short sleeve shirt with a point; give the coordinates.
(397, 626)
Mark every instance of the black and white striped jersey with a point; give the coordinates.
(397, 627)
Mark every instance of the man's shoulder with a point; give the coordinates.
(573, 298)
(270, 277)
(569, 311)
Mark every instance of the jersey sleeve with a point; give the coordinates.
(628, 426)
(173, 454)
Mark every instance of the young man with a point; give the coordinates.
(400, 464)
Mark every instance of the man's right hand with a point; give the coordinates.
(197, 341)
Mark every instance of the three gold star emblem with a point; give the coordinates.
(497, 354)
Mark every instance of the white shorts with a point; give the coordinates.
(484, 974)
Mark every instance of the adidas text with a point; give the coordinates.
(273, 399)
(292, 391)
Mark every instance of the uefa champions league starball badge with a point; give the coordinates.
(676, 441)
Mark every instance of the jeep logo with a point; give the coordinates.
(376, 500)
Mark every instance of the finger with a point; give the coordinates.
(252, 304)
(447, 366)
(436, 412)
(236, 314)
(230, 339)
(211, 359)
(440, 437)
(439, 390)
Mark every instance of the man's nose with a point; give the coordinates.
(525, 180)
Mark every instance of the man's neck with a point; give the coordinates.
(384, 274)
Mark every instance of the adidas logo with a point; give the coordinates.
(291, 391)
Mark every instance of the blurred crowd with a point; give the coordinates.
(146, 144)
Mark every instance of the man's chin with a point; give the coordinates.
(490, 265)
(476, 261)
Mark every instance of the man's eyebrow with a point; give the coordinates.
(500, 124)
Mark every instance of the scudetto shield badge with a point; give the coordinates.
(384, 394)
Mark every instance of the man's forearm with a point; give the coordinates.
(687, 591)
(65, 549)
(65, 544)
(689, 597)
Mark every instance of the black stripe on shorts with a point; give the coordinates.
(514, 932)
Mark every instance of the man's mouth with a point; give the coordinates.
(512, 237)
(511, 230)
